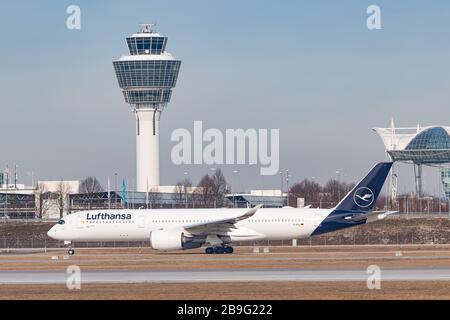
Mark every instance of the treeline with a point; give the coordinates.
(208, 193)
(317, 195)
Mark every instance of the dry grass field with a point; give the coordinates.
(304, 257)
(435, 290)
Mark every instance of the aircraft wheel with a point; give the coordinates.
(219, 250)
(229, 250)
(71, 252)
(209, 250)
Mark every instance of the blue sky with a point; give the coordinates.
(310, 68)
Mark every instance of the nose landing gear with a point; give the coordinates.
(219, 250)
(70, 250)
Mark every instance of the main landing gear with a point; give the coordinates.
(219, 250)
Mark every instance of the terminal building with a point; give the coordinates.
(420, 146)
(54, 199)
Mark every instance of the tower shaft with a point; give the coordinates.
(147, 148)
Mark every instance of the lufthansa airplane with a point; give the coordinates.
(171, 229)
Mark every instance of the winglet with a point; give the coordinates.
(249, 213)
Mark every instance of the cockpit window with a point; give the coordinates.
(61, 221)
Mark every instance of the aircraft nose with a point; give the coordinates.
(52, 232)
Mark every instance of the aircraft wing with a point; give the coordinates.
(219, 226)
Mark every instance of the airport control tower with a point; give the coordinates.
(147, 76)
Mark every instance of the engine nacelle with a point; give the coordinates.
(166, 239)
(174, 240)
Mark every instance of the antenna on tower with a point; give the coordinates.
(147, 27)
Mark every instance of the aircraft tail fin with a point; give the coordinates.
(363, 196)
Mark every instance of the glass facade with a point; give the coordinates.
(422, 156)
(445, 178)
(431, 146)
(152, 73)
(433, 138)
(146, 45)
(246, 200)
(147, 96)
(17, 206)
(148, 74)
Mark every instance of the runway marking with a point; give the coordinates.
(223, 275)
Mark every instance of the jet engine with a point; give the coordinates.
(172, 240)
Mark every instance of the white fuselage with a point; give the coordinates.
(136, 225)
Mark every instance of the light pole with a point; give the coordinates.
(281, 180)
(215, 200)
(338, 173)
(6, 191)
(15, 176)
(185, 190)
(115, 190)
(287, 180)
(234, 195)
(287, 186)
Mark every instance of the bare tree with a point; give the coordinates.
(335, 191)
(181, 191)
(220, 188)
(205, 191)
(316, 195)
(212, 190)
(154, 197)
(309, 190)
(60, 195)
(90, 186)
(42, 196)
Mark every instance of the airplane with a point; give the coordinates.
(172, 229)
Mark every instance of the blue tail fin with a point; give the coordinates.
(357, 202)
(364, 195)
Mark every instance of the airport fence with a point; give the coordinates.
(337, 240)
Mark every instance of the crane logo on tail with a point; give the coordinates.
(363, 197)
